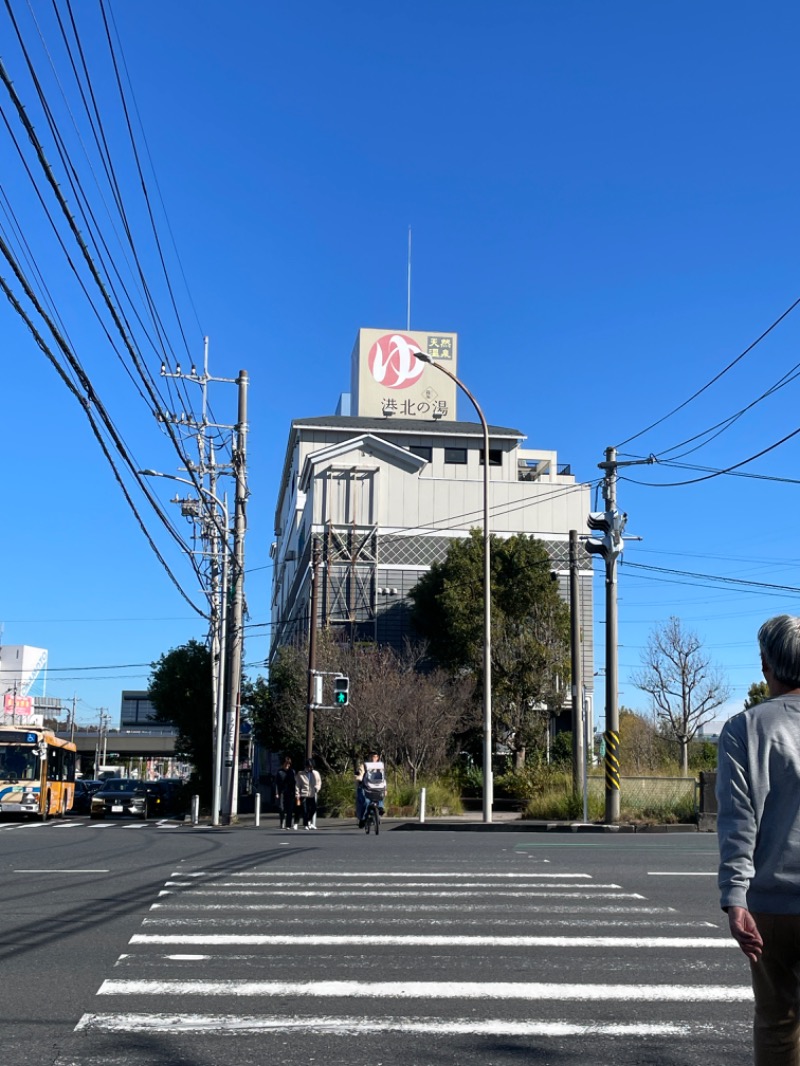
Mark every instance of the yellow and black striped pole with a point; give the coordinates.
(612, 761)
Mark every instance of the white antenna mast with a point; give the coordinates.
(408, 304)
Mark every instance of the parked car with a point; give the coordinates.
(121, 795)
(84, 790)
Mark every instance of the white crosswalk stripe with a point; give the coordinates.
(372, 938)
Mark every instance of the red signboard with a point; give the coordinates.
(17, 704)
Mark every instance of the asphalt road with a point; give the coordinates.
(163, 944)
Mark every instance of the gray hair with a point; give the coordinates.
(779, 641)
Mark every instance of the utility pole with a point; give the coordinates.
(610, 523)
(72, 719)
(316, 556)
(578, 751)
(234, 680)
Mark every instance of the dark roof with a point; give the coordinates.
(403, 425)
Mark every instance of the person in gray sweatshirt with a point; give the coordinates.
(758, 794)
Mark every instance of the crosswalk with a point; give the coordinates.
(463, 961)
(52, 826)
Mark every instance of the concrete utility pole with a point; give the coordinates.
(316, 556)
(578, 751)
(611, 524)
(236, 642)
(612, 651)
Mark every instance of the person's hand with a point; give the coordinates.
(745, 932)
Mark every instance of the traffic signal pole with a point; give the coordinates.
(612, 652)
(578, 738)
(316, 556)
(610, 523)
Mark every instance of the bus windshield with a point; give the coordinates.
(20, 762)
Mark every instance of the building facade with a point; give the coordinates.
(383, 491)
(23, 677)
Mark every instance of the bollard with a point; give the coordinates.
(258, 809)
(195, 810)
(422, 795)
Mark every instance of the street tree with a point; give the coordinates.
(642, 748)
(398, 705)
(530, 630)
(181, 692)
(684, 686)
(757, 693)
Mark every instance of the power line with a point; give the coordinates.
(715, 473)
(716, 377)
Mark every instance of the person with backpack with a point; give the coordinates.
(370, 777)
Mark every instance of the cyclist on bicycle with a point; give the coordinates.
(370, 785)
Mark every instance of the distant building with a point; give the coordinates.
(387, 488)
(137, 712)
(23, 679)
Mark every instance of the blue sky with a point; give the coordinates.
(602, 199)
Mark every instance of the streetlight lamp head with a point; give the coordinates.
(423, 356)
(148, 473)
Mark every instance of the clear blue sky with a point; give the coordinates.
(603, 203)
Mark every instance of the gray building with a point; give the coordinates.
(385, 489)
(384, 495)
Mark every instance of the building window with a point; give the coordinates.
(495, 457)
(422, 451)
(457, 456)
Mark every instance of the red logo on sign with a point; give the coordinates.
(393, 363)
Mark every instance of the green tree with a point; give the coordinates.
(757, 693)
(684, 686)
(278, 706)
(530, 630)
(181, 692)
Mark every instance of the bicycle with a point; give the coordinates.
(372, 818)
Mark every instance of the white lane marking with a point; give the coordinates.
(681, 873)
(135, 827)
(267, 889)
(67, 825)
(363, 875)
(101, 825)
(431, 990)
(62, 871)
(381, 893)
(434, 940)
(337, 1026)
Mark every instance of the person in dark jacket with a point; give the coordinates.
(286, 794)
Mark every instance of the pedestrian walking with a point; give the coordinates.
(286, 793)
(309, 784)
(758, 787)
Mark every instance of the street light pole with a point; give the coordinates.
(488, 785)
(221, 621)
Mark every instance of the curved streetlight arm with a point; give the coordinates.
(488, 785)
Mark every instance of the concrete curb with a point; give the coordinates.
(502, 824)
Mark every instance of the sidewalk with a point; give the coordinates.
(470, 822)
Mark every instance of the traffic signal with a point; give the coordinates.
(610, 524)
(341, 691)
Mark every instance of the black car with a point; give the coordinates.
(84, 790)
(121, 795)
(163, 798)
